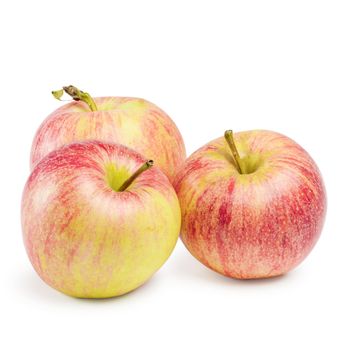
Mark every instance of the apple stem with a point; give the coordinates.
(139, 171)
(234, 151)
(77, 95)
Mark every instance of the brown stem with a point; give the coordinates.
(234, 151)
(139, 171)
(77, 95)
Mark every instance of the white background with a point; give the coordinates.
(211, 65)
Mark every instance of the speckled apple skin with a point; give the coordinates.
(133, 122)
(87, 240)
(256, 225)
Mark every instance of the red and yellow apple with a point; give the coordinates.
(95, 223)
(133, 122)
(252, 206)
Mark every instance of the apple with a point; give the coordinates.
(130, 121)
(253, 206)
(96, 223)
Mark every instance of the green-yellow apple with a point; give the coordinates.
(133, 122)
(96, 223)
(253, 206)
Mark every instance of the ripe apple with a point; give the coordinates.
(252, 207)
(133, 122)
(95, 223)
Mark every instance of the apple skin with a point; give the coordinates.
(256, 225)
(87, 240)
(133, 122)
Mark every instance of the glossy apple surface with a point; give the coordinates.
(84, 237)
(133, 122)
(258, 224)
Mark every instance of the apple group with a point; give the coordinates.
(110, 190)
